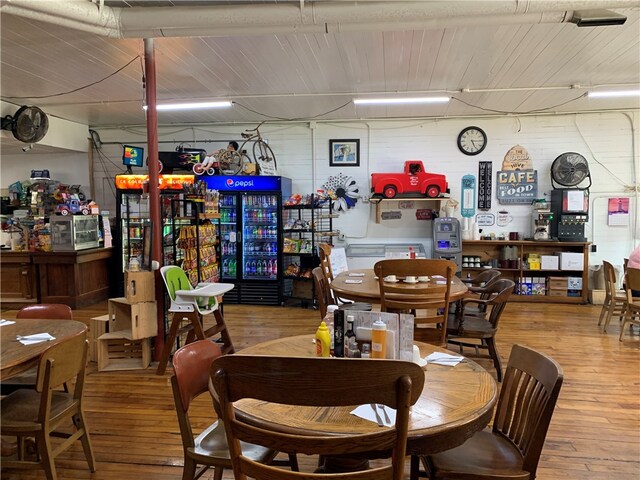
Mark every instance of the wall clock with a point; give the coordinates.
(472, 140)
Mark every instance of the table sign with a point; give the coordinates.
(338, 259)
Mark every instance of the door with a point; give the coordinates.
(229, 241)
(260, 245)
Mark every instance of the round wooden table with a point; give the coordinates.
(369, 290)
(16, 358)
(456, 402)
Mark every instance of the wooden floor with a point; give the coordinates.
(595, 432)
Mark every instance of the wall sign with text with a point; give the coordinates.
(517, 186)
(484, 185)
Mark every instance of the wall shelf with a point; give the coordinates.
(377, 202)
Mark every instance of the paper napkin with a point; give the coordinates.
(35, 338)
(438, 358)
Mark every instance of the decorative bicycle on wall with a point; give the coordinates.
(262, 162)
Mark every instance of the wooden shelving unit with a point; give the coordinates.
(489, 250)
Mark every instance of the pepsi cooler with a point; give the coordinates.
(251, 236)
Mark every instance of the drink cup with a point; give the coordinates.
(410, 279)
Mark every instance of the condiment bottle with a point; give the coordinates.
(328, 320)
(348, 336)
(323, 340)
(378, 339)
(338, 333)
(354, 352)
(365, 351)
(412, 253)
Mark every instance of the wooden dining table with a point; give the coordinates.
(455, 403)
(16, 358)
(369, 289)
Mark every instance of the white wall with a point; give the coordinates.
(302, 150)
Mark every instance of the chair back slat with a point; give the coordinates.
(63, 362)
(527, 399)
(322, 292)
(610, 284)
(49, 311)
(316, 382)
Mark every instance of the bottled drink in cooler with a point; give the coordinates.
(225, 267)
(254, 269)
(247, 269)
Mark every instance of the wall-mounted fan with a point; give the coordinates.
(569, 170)
(29, 124)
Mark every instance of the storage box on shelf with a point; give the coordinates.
(537, 267)
(305, 225)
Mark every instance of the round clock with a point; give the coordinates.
(472, 140)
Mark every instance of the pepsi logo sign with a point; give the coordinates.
(229, 182)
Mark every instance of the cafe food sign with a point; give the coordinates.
(517, 181)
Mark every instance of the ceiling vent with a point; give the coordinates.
(597, 18)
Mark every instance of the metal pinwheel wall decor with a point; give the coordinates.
(343, 191)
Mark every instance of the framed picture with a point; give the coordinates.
(344, 153)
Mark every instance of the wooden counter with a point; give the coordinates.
(77, 279)
(17, 279)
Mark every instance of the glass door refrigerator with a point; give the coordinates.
(132, 214)
(251, 236)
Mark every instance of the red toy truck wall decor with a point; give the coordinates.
(414, 179)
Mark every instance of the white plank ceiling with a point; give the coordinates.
(292, 76)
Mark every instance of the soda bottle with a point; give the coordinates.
(258, 268)
(232, 268)
(254, 269)
(264, 268)
(225, 268)
(247, 269)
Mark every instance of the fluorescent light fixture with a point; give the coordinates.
(614, 93)
(398, 101)
(191, 106)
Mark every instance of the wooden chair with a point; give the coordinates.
(477, 286)
(615, 301)
(322, 291)
(632, 313)
(191, 304)
(39, 413)
(428, 303)
(191, 365)
(316, 382)
(483, 329)
(51, 311)
(511, 449)
(324, 250)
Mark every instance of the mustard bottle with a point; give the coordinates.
(323, 341)
(378, 339)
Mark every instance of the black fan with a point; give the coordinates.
(569, 170)
(29, 124)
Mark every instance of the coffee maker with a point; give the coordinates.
(541, 220)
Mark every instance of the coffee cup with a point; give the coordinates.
(410, 279)
(503, 218)
(465, 265)
(390, 278)
(514, 236)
